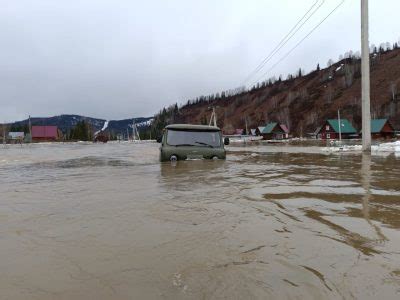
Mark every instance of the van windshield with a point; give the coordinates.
(194, 138)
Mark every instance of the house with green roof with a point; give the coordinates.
(381, 129)
(275, 131)
(332, 129)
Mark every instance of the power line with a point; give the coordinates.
(302, 40)
(286, 38)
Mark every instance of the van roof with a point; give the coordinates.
(192, 127)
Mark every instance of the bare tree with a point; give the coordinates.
(311, 118)
(274, 102)
(304, 93)
(284, 117)
(291, 96)
(329, 94)
(392, 105)
(348, 74)
(393, 90)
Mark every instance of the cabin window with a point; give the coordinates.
(193, 138)
(327, 127)
(328, 136)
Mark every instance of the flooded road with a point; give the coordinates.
(111, 222)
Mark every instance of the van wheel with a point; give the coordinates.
(173, 158)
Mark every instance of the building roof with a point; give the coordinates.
(269, 127)
(261, 128)
(345, 126)
(377, 125)
(253, 131)
(192, 127)
(44, 132)
(317, 130)
(284, 128)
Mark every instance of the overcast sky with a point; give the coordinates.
(117, 59)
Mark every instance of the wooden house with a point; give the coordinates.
(330, 130)
(275, 131)
(382, 129)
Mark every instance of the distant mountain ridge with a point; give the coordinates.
(67, 122)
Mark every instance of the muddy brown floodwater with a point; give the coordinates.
(110, 222)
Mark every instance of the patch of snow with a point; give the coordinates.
(344, 148)
(105, 126)
(145, 123)
(393, 147)
(387, 147)
(338, 68)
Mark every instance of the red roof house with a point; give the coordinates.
(45, 133)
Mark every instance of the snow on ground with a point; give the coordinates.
(105, 126)
(145, 123)
(384, 147)
(387, 147)
(344, 148)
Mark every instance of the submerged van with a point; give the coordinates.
(183, 141)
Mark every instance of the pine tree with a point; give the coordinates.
(81, 132)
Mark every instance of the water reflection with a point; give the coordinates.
(193, 170)
(366, 184)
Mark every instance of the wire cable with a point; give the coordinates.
(301, 41)
(286, 38)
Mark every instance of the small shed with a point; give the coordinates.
(16, 135)
(382, 129)
(45, 133)
(239, 131)
(330, 130)
(275, 131)
(314, 135)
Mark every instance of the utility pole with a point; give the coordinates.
(340, 125)
(30, 130)
(213, 117)
(4, 133)
(365, 80)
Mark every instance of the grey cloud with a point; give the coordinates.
(122, 58)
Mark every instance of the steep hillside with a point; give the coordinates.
(303, 102)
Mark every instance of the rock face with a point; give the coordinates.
(305, 102)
